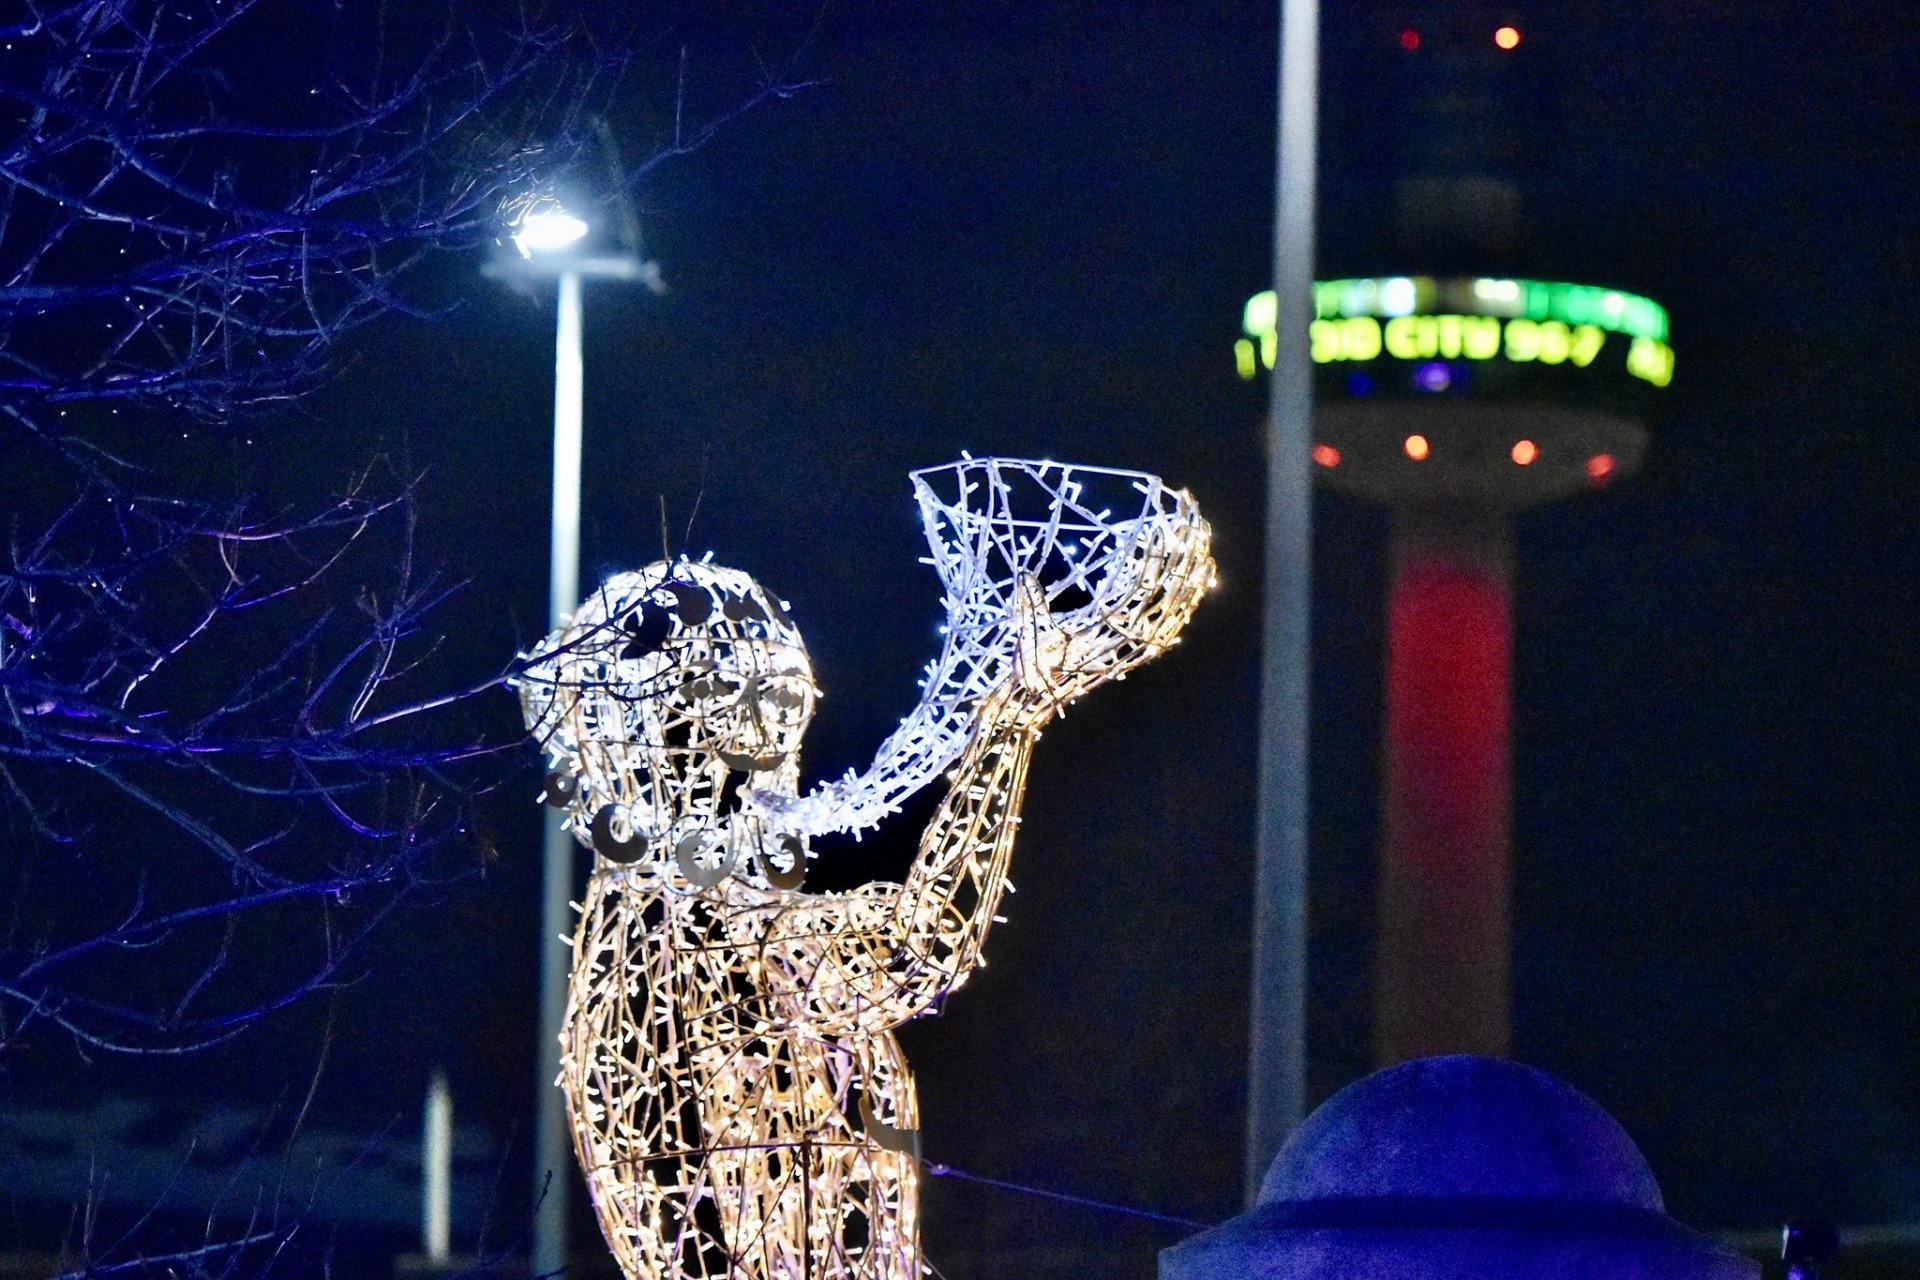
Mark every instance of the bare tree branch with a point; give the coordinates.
(199, 199)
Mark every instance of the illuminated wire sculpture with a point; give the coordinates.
(738, 1101)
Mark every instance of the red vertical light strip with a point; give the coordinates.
(1443, 960)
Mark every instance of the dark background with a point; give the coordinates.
(1029, 229)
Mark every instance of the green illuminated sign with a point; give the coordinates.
(1421, 318)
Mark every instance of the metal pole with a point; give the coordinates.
(552, 1155)
(1276, 1060)
(436, 1171)
(564, 590)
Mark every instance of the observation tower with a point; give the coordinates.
(1456, 398)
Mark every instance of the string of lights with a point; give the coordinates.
(1065, 1197)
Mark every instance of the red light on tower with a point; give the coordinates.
(1599, 467)
(1409, 39)
(1524, 452)
(1441, 979)
(1326, 455)
(1507, 37)
(1417, 448)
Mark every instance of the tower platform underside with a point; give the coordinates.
(1471, 454)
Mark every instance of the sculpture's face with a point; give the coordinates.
(673, 690)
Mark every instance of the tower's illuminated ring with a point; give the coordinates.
(1486, 371)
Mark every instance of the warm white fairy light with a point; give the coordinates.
(739, 1103)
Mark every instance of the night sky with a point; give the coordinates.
(1029, 229)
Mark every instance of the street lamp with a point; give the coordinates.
(547, 231)
(549, 239)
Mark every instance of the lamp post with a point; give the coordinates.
(1277, 1032)
(548, 242)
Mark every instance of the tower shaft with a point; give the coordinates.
(1441, 970)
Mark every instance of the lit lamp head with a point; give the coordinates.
(547, 231)
(1483, 392)
(549, 241)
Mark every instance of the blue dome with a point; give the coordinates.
(1462, 1126)
(1446, 1168)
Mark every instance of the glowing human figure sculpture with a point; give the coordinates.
(738, 1101)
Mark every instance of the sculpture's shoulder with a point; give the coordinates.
(820, 919)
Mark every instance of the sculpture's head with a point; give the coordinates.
(673, 691)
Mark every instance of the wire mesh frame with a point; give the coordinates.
(738, 1100)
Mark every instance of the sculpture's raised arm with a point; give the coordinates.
(883, 954)
(988, 521)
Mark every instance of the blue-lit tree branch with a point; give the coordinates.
(179, 679)
(204, 224)
(226, 748)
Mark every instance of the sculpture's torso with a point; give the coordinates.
(721, 1136)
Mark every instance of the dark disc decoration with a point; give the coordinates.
(692, 848)
(630, 850)
(560, 789)
(884, 1135)
(692, 604)
(796, 874)
(647, 631)
(751, 764)
(743, 609)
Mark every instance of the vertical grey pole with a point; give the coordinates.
(1276, 1061)
(436, 1171)
(552, 1154)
